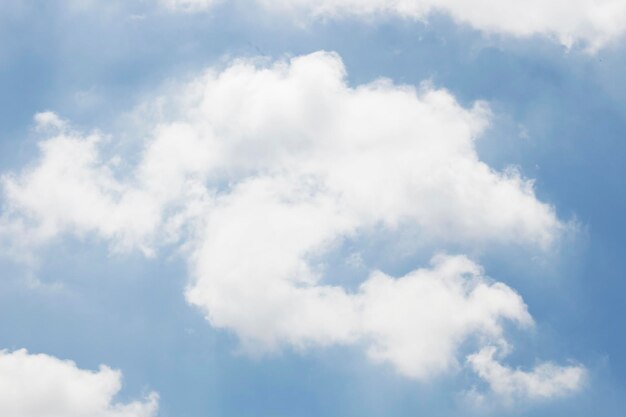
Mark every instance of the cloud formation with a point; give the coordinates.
(593, 23)
(356, 158)
(265, 169)
(546, 380)
(41, 385)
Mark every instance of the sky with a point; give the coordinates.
(231, 208)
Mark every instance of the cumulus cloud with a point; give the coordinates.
(546, 380)
(292, 139)
(266, 168)
(41, 385)
(417, 321)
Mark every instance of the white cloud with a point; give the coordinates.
(268, 167)
(418, 321)
(288, 137)
(546, 380)
(48, 120)
(415, 322)
(72, 189)
(593, 23)
(41, 385)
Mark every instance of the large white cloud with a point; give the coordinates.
(593, 23)
(41, 385)
(292, 137)
(266, 168)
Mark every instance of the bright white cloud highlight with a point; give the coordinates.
(546, 380)
(266, 168)
(41, 385)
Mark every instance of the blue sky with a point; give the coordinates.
(92, 296)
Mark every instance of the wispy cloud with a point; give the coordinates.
(591, 23)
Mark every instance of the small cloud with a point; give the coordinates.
(49, 120)
(35, 380)
(545, 381)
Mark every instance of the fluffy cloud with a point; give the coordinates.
(264, 170)
(546, 380)
(293, 140)
(72, 189)
(417, 321)
(593, 23)
(41, 385)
